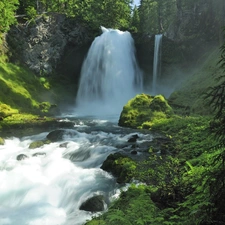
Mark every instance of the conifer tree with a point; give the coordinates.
(7, 12)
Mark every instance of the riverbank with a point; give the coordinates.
(169, 185)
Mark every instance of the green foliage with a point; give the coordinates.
(133, 207)
(31, 12)
(94, 13)
(7, 12)
(156, 15)
(135, 20)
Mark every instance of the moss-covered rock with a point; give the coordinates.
(6, 110)
(38, 144)
(2, 141)
(144, 108)
(120, 166)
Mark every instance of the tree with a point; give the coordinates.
(156, 15)
(216, 177)
(7, 12)
(135, 20)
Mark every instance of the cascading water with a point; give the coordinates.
(156, 62)
(110, 75)
(48, 184)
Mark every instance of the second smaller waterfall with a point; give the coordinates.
(156, 62)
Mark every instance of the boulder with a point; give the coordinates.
(21, 157)
(133, 138)
(144, 108)
(37, 144)
(57, 135)
(93, 204)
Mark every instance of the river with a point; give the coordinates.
(49, 185)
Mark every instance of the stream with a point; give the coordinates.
(49, 184)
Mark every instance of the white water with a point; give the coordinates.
(110, 75)
(49, 189)
(156, 62)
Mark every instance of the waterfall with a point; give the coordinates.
(110, 75)
(156, 62)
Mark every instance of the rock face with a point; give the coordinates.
(42, 44)
(144, 108)
(197, 26)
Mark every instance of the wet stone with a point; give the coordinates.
(21, 157)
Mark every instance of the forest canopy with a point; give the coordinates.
(150, 17)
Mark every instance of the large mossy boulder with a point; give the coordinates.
(144, 108)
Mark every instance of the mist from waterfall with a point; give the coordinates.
(156, 62)
(110, 75)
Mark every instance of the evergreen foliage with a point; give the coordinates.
(7, 12)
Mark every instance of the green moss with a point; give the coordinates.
(38, 144)
(6, 110)
(24, 92)
(144, 108)
(2, 141)
(120, 166)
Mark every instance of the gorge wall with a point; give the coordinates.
(44, 45)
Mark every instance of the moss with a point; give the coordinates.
(2, 141)
(6, 110)
(144, 108)
(38, 144)
(120, 166)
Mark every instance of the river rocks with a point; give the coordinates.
(39, 154)
(38, 144)
(2, 141)
(57, 135)
(93, 204)
(21, 157)
(133, 138)
(144, 108)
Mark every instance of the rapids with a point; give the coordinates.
(49, 188)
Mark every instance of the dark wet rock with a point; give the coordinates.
(163, 145)
(39, 154)
(93, 204)
(2, 141)
(134, 152)
(21, 157)
(133, 138)
(63, 145)
(57, 135)
(80, 156)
